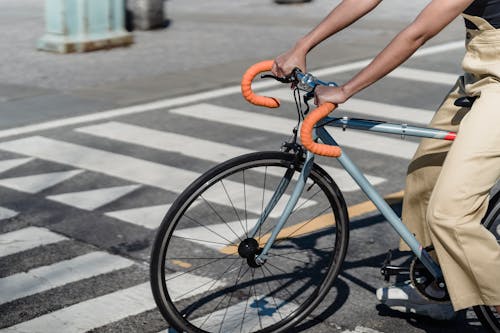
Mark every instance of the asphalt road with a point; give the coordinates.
(91, 161)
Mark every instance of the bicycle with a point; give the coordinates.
(256, 242)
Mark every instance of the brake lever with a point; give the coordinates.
(280, 79)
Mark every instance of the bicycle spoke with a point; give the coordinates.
(204, 226)
(256, 300)
(263, 193)
(232, 205)
(203, 258)
(286, 257)
(245, 202)
(203, 240)
(220, 302)
(194, 269)
(303, 225)
(301, 251)
(221, 218)
(270, 293)
(283, 287)
(246, 307)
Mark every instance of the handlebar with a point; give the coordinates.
(305, 82)
(246, 85)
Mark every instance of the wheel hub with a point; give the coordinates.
(249, 249)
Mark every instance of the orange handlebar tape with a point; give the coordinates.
(307, 129)
(246, 85)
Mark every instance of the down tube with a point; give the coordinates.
(382, 206)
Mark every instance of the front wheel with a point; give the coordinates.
(203, 275)
(488, 316)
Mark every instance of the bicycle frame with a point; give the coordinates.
(361, 180)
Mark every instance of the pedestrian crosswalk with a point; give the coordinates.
(76, 157)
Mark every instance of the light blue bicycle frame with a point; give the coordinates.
(358, 176)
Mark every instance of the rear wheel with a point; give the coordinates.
(203, 275)
(488, 316)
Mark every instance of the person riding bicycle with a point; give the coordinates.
(448, 182)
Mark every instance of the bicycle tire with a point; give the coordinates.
(487, 315)
(280, 302)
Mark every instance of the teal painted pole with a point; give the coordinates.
(84, 25)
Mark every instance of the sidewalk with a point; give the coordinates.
(206, 45)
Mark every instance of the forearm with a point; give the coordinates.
(397, 52)
(346, 13)
(431, 20)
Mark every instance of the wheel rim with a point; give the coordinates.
(213, 287)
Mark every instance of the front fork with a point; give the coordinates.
(292, 202)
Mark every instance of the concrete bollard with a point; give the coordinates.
(84, 25)
(147, 14)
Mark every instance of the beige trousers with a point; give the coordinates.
(448, 182)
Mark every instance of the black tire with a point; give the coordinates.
(300, 268)
(488, 316)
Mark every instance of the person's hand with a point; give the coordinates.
(335, 95)
(285, 63)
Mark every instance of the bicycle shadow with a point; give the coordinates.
(462, 322)
(342, 297)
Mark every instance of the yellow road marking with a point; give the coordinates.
(320, 222)
(368, 206)
(181, 263)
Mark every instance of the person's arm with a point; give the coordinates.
(346, 13)
(437, 15)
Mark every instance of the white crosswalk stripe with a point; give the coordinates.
(38, 183)
(10, 164)
(93, 199)
(196, 148)
(148, 217)
(354, 139)
(6, 213)
(26, 239)
(56, 275)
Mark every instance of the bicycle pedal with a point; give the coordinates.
(389, 270)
